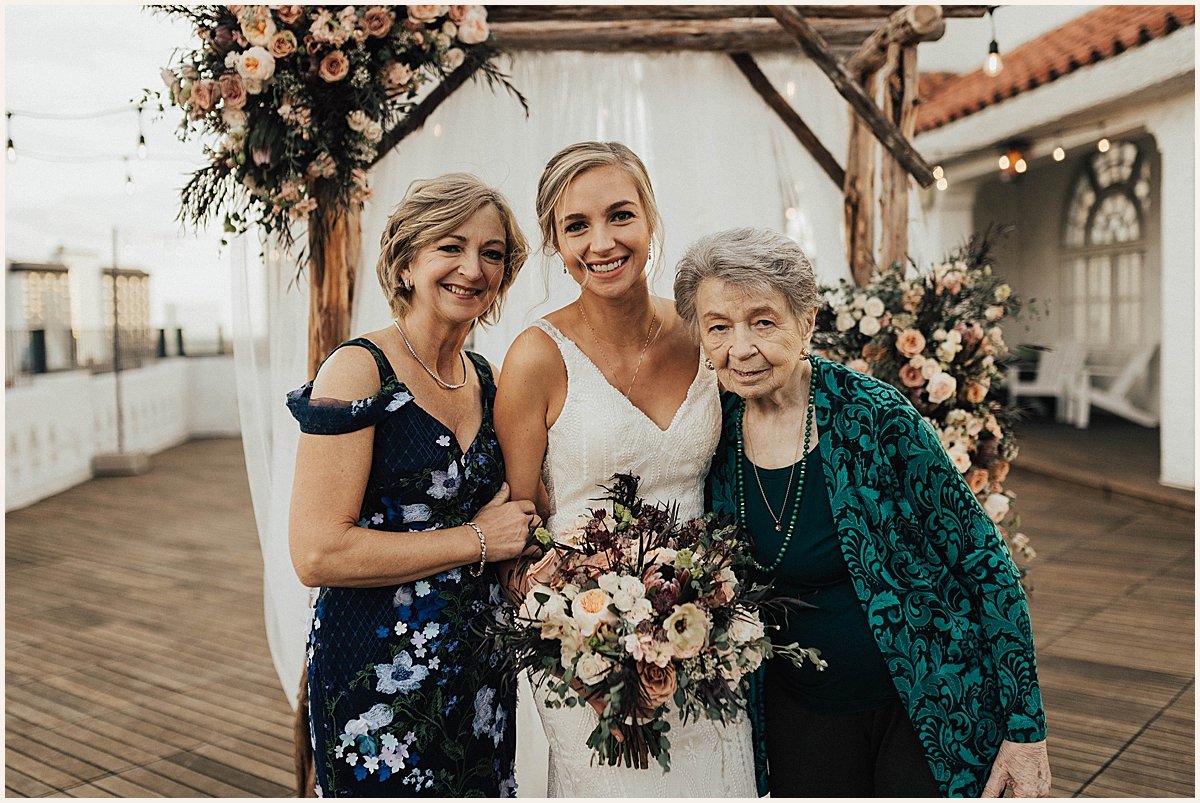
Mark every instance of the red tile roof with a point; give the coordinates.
(1093, 37)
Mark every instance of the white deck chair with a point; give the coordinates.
(1115, 397)
(1059, 370)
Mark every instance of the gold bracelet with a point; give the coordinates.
(477, 572)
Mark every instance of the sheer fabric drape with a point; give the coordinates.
(718, 158)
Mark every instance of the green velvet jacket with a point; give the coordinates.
(939, 587)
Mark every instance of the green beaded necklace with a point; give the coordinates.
(803, 464)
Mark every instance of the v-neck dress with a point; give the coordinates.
(402, 701)
(599, 433)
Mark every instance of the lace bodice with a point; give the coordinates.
(600, 433)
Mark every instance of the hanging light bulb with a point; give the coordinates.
(938, 172)
(1103, 145)
(141, 149)
(1020, 166)
(942, 184)
(11, 151)
(993, 64)
(1059, 154)
(1005, 162)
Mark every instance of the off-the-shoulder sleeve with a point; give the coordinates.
(322, 416)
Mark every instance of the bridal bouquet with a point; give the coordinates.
(637, 610)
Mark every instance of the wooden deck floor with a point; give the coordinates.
(137, 666)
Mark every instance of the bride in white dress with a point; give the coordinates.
(612, 383)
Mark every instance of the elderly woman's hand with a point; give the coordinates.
(1023, 768)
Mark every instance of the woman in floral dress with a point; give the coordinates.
(399, 511)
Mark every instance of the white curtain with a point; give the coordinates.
(718, 158)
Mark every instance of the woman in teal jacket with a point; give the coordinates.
(853, 505)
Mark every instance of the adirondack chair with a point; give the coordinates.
(1115, 397)
(1059, 370)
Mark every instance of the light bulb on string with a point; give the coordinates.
(10, 151)
(993, 64)
(1005, 162)
(1103, 145)
(1020, 166)
(141, 148)
(938, 172)
(942, 184)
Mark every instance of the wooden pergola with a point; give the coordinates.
(869, 54)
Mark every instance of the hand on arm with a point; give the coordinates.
(328, 547)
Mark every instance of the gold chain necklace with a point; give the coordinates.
(604, 355)
(428, 370)
(787, 492)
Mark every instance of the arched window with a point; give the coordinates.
(1104, 247)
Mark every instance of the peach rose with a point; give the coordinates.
(860, 365)
(873, 352)
(458, 13)
(545, 569)
(453, 59)
(334, 67)
(977, 479)
(395, 76)
(233, 91)
(657, 683)
(474, 28)
(941, 386)
(998, 471)
(378, 21)
(205, 95)
(977, 392)
(910, 342)
(257, 26)
(426, 13)
(289, 14)
(283, 44)
(911, 376)
(912, 298)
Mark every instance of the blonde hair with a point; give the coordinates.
(566, 165)
(431, 209)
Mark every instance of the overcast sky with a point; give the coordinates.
(90, 58)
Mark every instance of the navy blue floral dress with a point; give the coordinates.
(403, 700)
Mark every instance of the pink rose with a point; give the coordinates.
(544, 570)
(458, 13)
(910, 342)
(288, 15)
(282, 44)
(998, 470)
(232, 90)
(941, 387)
(952, 282)
(977, 479)
(334, 67)
(657, 683)
(474, 28)
(911, 376)
(860, 365)
(205, 95)
(377, 21)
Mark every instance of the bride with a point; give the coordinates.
(612, 383)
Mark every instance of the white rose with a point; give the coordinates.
(374, 132)
(357, 120)
(996, 506)
(590, 610)
(453, 59)
(845, 322)
(591, 668)
(941, 387)
(534, 609)
(869, 326)
(859, 301)
(256, 64)
(474, 28)
(874, 307)
(640, 612)
(609, 582)
(746, 628)
(633, 586)
(930, 369)
(962, 460)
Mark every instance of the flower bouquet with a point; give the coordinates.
(936, 335)
(634, 611)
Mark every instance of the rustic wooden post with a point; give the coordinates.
(859, 192)
(899, 105)
(334, 245)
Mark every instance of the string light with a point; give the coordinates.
(1005, 163)
(1103, 145)
(938, 172)
(128, 178)
(993, 64)
(1059, 154)
(141, 146)
(10, 150)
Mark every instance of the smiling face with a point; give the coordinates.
(752, 337)
(456, 276)
(602, 230)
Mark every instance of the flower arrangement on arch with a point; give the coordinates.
(641, 612)
(936, 335)
(294, 103)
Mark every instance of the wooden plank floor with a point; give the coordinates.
(137, 665)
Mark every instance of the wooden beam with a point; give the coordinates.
(417, 117)
(749, 35)
(816, 48)
(909, 24)
(745, 62)
(598, 13)
(899, 81)
(859, 194)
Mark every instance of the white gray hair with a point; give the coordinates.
(756, 260)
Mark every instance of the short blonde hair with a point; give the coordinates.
(566, 165)
(431, 209)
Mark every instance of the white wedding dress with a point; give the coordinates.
(600, 433)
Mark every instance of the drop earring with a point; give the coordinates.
(709, 364)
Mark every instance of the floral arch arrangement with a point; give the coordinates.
(936, 335)
(294, 105)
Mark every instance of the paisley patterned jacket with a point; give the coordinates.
(940, 590)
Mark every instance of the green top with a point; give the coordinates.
(814, 570)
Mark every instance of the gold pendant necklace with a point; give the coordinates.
(604, 356)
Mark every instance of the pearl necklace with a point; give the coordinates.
(428, 370)
(803, 463)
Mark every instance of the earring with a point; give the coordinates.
(709, 364)
(650, 253)
(405, 284)
(805, 354)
